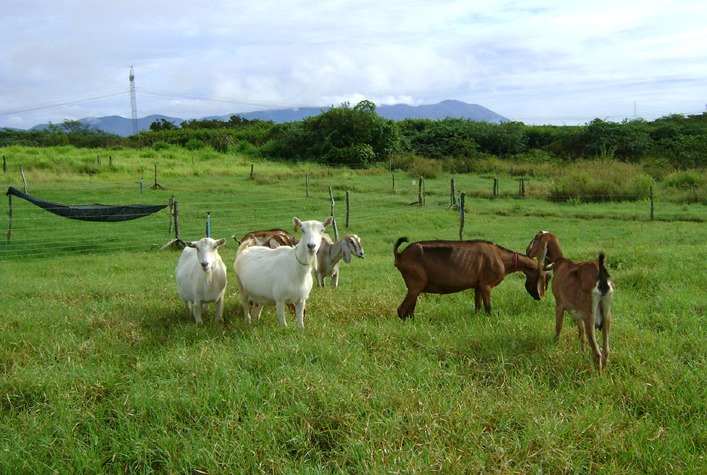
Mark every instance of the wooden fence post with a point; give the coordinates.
(393, 176)
(24, 182)
(176, 220)
(420, 191)
(4, 164)
(495, 187)
(171, 213)
(336, 230)
(462, 197)
(252, 170)
(306, 185)
(453, 194)
(156, 185)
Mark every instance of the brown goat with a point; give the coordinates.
(267, 237)
(444, 267)
(583, 289)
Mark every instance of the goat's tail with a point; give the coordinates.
(397, 245)
(603, 284)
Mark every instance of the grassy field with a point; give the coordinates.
(102, 371)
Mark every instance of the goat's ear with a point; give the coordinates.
(272, 243)
(190, 243)
(347, 254)
(297, 222)
(220, 242)
(328, 221)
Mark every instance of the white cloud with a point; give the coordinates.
(539, 61)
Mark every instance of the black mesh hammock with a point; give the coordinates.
(94, 212)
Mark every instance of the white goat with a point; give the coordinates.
(330, 254)
(279, 276)
(201, 277)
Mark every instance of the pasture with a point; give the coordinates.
(101, 369)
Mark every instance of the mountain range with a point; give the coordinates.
(446, 109)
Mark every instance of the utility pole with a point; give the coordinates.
(133, 100)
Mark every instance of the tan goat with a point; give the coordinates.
(271, 238)
(583, 289)
(444, 267)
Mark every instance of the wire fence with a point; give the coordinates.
(35, 233)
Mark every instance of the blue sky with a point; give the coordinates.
(536, 61)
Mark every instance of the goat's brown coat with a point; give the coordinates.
(582, 289)
(267, 237)
(442, 267)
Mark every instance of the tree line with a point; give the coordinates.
(357, 136)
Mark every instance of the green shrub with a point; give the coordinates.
(194, 144)
(686, 180)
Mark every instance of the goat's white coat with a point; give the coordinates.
(201, 277)
(330, 254)
(279, 276)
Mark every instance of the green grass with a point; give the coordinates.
(101, 370)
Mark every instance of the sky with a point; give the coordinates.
(533, 61)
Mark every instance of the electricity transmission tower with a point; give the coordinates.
(133, 101)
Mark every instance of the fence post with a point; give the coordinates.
(347, 208)
(252, 165)
(171, 213)
(336, 230)
(393, 176)
(495, 187)
(4, 164)
(521, 187)
(651, 198)
(462, 197)
(24, 182)
(306, 185)
(176, 222)
(208, 224)
(110, 161)
(453, 194)
(98, 160)
(420, 191)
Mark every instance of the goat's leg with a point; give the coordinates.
(219, 309)
(196, 307)
(255, 312)
(335, 279)
(407, 307)
(280, 306)
(299, 313)
(245, 303)
(187, 305)
(559, 315)
(486, 297)
(477, 299)
(592, 339)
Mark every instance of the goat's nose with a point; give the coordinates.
(311, 246)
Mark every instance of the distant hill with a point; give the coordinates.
(115, 124)
(446, 109)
